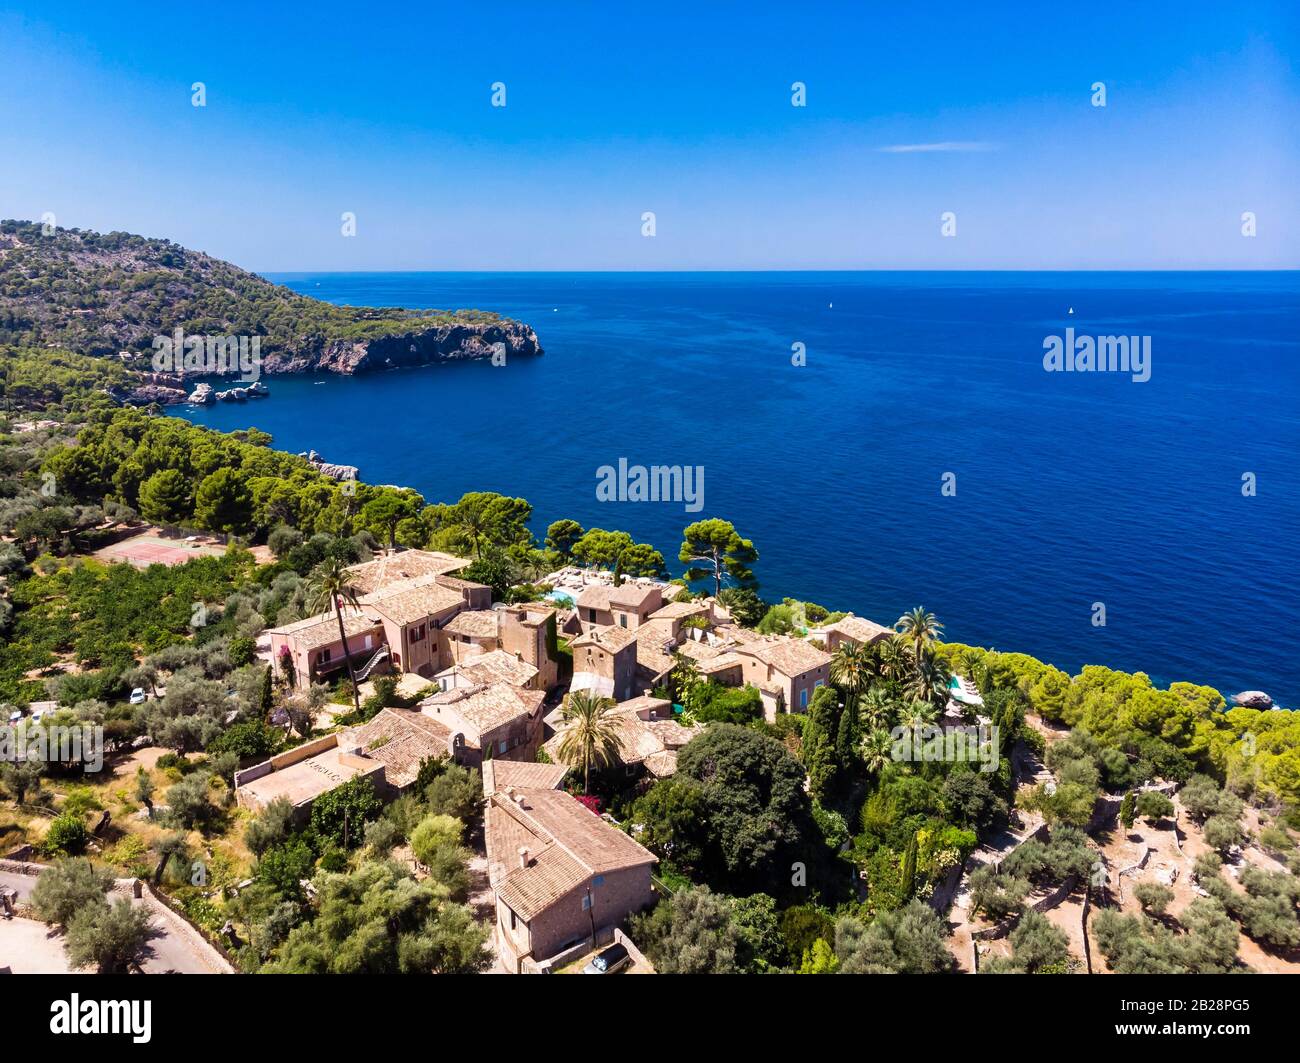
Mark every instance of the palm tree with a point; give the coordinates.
(919, 714)
(851, 668)
(892, 660)
(877, 750)
(533, 564)
(876, 709)
(929, 680)
(921, 627)
(590, 733)
(972, 660)
(331, 587)
(474, 521)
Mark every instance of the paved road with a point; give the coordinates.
(29, 947)
(10, 880)
(175, 947)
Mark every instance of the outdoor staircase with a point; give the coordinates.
(381, 654)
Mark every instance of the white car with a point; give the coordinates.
(137, 696)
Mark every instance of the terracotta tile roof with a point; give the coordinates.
(476, 623)
(461, 584)
(497, 666)
(317, 631)
(389, 568)
(567, 846)
(485, 707)
(662, 764)
(634, 596)
(498, 774)
(669, 733)
(550, 875)
(720, 663)
(737, 635)
(401, 740)
(595, 596)
(645, 703)
(698, 651)
(298, 625)
(859, 628)
(677, 610)
(595, 843)
(408, 601)
(652, 652)
(790, 657)
(610, 637)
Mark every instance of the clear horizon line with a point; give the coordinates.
(818, 269)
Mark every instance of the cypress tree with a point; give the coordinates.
(268, 694)
(819, 752)
(1128, 810)
(909, 866)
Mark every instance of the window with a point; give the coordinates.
(803, 698)
(502, 746)
(586, 902)
(622, 619)
(819, 683)
(512, 918)
(599, 880)
(324, 656)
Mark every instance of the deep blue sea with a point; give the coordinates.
(1071, 488)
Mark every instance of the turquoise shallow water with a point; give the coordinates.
(1071, 488)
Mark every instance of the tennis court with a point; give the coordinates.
(148, 549)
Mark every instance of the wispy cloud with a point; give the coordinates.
(943, 145)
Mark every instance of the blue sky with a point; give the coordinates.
(613, 110)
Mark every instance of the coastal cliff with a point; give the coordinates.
(425, 346)
(115, 295)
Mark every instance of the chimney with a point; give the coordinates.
(523, 856)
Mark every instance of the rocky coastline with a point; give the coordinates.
(496, 341)
(425, 346)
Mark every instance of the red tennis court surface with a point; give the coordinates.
(145, 550)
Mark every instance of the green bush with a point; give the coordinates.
(66, 834)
